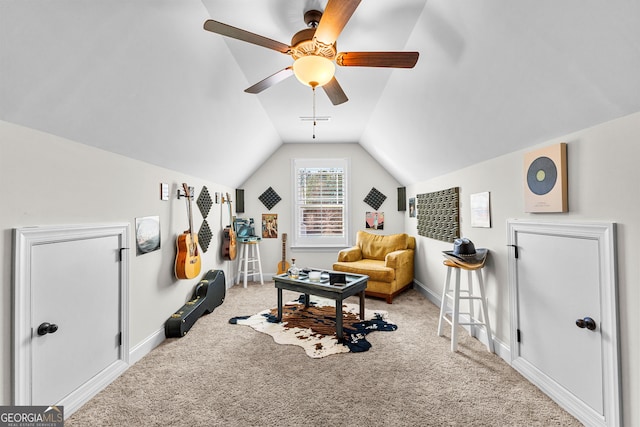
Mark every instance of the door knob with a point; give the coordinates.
(47, 328)
(587, 322)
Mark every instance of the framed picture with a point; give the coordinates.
(147, 234)
(374, 220)
(545, 179)
(412, 207)
(269, 226)
(480, 210)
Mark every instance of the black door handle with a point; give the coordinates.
(47, 328)
(587, 322)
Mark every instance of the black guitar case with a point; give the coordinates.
(207, 295)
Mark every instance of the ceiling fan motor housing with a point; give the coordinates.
(303, 43)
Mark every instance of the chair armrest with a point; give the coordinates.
(399, 258)
(350, 254)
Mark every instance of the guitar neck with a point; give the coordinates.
(189, 212)
(284, 248)
(230, 215)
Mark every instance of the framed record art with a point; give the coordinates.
(545, 179)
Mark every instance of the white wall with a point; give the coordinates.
(603, 186)
(366, 173)
(48, 180)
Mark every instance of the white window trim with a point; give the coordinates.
(320, 242)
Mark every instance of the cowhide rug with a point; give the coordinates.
(314, 328)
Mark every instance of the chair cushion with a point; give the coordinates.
(376, 247)
(376, 270)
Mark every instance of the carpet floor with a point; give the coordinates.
(221, 374)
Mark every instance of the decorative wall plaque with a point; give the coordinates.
(438, 214)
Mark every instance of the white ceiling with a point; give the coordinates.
(143, 79)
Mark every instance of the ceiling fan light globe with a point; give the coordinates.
(314, 70)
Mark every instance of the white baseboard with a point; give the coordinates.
(86, 392)
(500, 348)
(145, 347)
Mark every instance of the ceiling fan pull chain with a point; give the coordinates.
(314, 111)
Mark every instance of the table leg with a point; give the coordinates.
(279, 304)
(307, 300)
(362, 305)
(339, 331)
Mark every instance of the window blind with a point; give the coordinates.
(320, 203)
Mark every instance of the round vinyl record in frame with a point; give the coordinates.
(545, 179)
(542, 175)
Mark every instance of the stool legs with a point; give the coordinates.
(485, 312)
(240, 262)
(257, 249)
(249, 253)
(246, 264)
(443, 301)
(454, 295)
(455, 316)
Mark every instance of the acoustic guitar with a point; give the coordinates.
(283, 266)
(188, 262)
(229, 237)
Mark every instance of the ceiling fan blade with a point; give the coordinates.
(334, 18)
(334, 92)
(270, 81)
(377, 59)
(246, 36)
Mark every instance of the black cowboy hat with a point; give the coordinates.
(465, 253)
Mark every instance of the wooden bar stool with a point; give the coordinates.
(249, 258)
(458, 294)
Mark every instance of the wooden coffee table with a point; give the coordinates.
(355, 284)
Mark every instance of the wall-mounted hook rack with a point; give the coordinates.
(182, 194)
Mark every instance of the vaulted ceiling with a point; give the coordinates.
(143, 79)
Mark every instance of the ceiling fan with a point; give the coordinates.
(314, 50)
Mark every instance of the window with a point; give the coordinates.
(320, 202)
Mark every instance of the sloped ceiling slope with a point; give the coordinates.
(141, 79)
(498, 76)
(144, 79)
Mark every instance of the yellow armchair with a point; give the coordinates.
(387, 260)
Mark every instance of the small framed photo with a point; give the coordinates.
(480, 210)
(374, 220)
(412, 207)
(269, 226)
(147, 234)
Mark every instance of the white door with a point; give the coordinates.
(75, 285)
(564, 315)
(71, 317)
